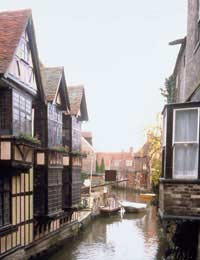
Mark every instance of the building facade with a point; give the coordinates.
(180, 182)
(89, 162)
(122, 162)
(40, 142)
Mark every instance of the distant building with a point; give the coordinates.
(122, 162)
(88, 149)
(138, 178)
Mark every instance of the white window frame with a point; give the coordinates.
(198, 10)
(188, 142)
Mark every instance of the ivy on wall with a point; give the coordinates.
(169, 89)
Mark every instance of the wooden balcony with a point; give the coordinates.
(51, 158)
(179, 199)
(16, 153)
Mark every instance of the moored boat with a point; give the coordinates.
(148, 195)
(109, 210)
(133, 207)
(112, 207)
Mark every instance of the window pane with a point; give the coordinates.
(6, 208)
(185, 160)
(186, 125)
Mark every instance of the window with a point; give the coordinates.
(24, 50)
(5, 190)
(198, 10)
(54, 125)
(180, 153)
(22, 114)
(129, 163)
(185, 143)
(116, 163)
(76, 134)
(5, 111)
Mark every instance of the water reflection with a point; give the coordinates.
(126, 236)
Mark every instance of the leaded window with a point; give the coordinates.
(76, 134)
(54, 125)
(5, 208)
(22, 114)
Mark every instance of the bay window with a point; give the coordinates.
(22, 114)
(181, 141)
(54, 126)
(185, 143)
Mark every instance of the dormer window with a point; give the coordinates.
(24, 50)
(181, 141)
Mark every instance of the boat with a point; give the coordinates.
(133, 207)
(148, 195)
(112, 207)
(109, 210)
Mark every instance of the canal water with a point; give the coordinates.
(121, 237)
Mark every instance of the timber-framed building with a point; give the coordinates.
(40, 137)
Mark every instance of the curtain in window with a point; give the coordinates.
(186, 160)
(186, 125)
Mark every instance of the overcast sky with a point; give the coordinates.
(119, 50)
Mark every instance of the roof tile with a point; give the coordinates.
(12, 25)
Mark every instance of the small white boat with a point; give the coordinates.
(133, 207)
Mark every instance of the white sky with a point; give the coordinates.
(119, 50)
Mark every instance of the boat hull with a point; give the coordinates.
(134, 210)
(109, 211)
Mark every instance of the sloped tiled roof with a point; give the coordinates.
(51, 78)
(75, 98)
(12, 25)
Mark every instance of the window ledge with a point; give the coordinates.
(181, 181)
(7, 229)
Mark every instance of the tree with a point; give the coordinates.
(169, 90)
(102, 167)
(153, 144)
(97, 167)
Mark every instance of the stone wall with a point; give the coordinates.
(179, 199)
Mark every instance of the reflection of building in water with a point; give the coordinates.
(149, 225)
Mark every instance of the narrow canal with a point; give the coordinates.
(121, 237)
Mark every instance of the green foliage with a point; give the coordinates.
(102, 166)
(28, 138)
(79, 154)
(63, 149)
(97, 167)
(156, 169)
(154, 137)
(169, 90)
